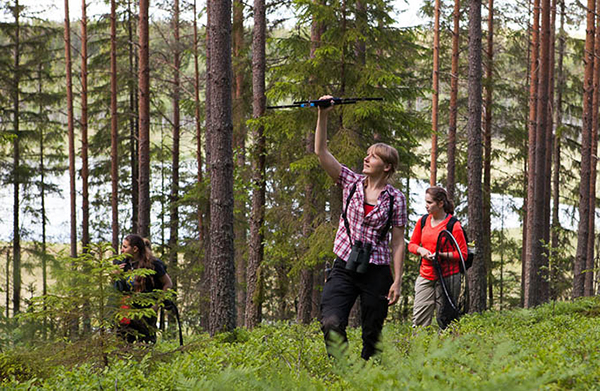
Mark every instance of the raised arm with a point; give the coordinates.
(326, 159)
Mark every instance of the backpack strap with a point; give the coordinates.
(345, 212)
(387, 226)
(423, 221)
(451, 222)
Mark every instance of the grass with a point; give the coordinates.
(552, 347)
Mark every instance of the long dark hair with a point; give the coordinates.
(143, 258)
(439, 194)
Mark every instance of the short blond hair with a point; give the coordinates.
(388, 154)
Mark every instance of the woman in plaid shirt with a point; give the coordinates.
(373, 209)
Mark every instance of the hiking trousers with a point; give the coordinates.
(429, 296)
(340, 292)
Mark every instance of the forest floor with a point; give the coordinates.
(553, 347)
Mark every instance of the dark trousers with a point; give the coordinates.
(139, 330)
(339, 294)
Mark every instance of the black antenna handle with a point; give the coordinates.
(324, 102)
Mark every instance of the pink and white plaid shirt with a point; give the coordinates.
(368, 228)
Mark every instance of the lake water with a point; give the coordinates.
(58, 212)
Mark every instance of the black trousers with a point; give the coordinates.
(339, 294)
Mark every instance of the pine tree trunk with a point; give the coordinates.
(487, 158)
(256, 248)
(239, 146)
(533, 98)
(536, 273)
(133, 120)
(174, 197)
(451, 181)
(197, 121)
(477, 277)
(43, 193)
(435, 96)
(220, 127)
(8, 283)
(589, 264)
(71, 132)
(307, 275)
(550, 129)
(305, 295)
(114, 129)
(85, 203)
(144, 121)
(556, 152)
(16, 167)
(586, 148)
(85, 200)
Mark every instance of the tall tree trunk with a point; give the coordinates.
(533, 98)
(435, 96)
(256, 248)
(535, 293)
(477, 278)
(556, 149)
(114, 129)
(197, 122)
(586, 149)
(487, 158)
(451, 181)
(545, 281)
(239, 146)
(220, 127)
(144, 121)
(133, 120)
(85, 203)
(305, 297)
(174, 198)
(8, 283)
(71, 132)
(85, 200)
(43, 192)
(589, 264)
(16, 165)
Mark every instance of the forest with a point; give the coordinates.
(157, 118)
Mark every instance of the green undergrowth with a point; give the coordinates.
(553, 347)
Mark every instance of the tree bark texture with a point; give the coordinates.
(305, 295)
(42, 192)
(220, 127)
(435, 96)
(536, 293)
(451, 149)
(85, 198)
(114, 129)
(144, 121)
(588, 289)
(487, 156)
(133, 119)
(586, 149)
(71, 132)
(256, 248)
(477, 277)
(174, 196)
(533, 97)
(239, 146)
(550, 129)
(197, 121)
(554, 241)
(16, 168)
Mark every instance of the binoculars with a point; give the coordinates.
(358, 261)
